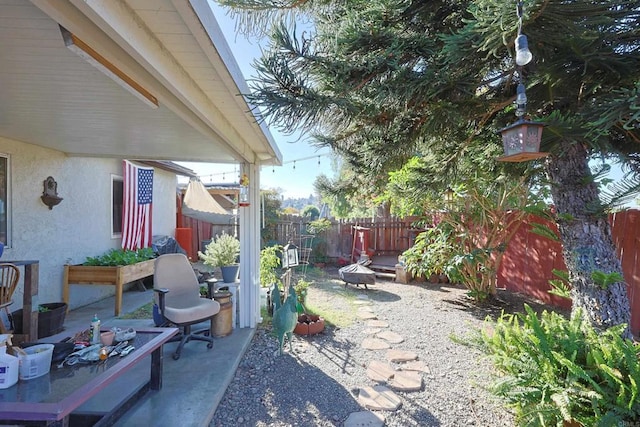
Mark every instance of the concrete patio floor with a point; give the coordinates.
(192, 386)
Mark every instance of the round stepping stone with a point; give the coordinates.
(380, 371)
(372, 331)
(375, 344)
(415, 365)
(364, 419)
(406, 381)
(365, 315)
(379, 398)
(391, 337)
(377, 324)
(401, 355)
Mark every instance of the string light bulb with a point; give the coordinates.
(521, 100)
(523, 54)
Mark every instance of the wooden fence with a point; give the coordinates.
(530, 259)
(201, 232)
(378, 236)
(526, 267)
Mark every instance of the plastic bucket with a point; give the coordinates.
(37, 361)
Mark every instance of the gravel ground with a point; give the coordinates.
(317, 384)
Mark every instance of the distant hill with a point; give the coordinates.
(300, 202)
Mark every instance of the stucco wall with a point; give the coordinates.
(80, 225)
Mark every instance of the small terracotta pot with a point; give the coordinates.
(309, 324)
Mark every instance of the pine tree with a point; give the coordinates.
(382, 80)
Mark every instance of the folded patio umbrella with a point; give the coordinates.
(199, 204)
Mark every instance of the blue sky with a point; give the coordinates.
(295, 179)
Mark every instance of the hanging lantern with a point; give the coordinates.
(448, 197)
(289, 255)
(521, 141)
(243, 197)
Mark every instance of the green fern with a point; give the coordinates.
(552, 369)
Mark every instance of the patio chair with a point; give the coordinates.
(9, 277)
(179, 301)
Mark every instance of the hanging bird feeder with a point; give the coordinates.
(243, 197)
(521, 141)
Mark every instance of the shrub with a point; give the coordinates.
(269, 264)
(556, 369)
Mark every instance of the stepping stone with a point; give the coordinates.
(372, 331)
(361, 302)
(379, 398)
(406, 381)
(392, 337)
(380, 371)
(415, 365)
(377, 324)
(375, 344)
(362, 296)
(366, 309)
(364, 419)
(365, 315)
(401, 356)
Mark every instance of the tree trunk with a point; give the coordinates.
(586, 237)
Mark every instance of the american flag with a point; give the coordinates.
(136, 206)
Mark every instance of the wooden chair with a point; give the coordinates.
(9, 277)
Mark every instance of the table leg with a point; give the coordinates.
(119, 289)
(156, 368)
(29, 312)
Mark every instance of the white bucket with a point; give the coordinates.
(37, 362)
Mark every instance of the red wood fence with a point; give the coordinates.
(530, 258)
(526, 266)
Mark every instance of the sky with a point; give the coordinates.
(302, 163)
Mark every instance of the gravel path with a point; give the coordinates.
(317, 384)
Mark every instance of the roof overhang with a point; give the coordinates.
(185, 104)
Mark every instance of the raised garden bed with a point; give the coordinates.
(106, 275)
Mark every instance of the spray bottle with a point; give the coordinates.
(9, 365)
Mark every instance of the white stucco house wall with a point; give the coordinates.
(80, 225)
(87, 83)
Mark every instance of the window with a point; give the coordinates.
(116, 205)
(4, 199)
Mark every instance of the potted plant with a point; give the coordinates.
(50, 319)
(223, 252)
(308, 324)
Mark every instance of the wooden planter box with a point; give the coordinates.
(101, 275)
